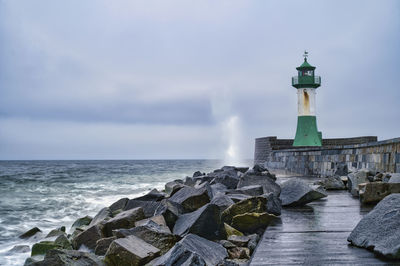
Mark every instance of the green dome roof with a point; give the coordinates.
(305, 65)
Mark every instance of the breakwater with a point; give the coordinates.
(360, 152)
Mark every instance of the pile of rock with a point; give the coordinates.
(369, 185)
(372, 186)
(206, 219)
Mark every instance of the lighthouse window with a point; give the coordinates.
(308, 73)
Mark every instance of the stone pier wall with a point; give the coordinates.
(378, 155)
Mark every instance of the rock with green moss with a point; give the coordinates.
(42, 247)
(253, 204)
(56, 232)
(81, 222)
(63, 241)
(63, 257)
(250, 222)
(230, 231)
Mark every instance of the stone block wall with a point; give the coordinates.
(378, 155)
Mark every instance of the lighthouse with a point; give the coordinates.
(306, 84)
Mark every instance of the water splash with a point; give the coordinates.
(228, 120)
(231, 127)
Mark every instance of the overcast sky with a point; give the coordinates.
(185, 79)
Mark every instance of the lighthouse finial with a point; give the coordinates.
(305, 55)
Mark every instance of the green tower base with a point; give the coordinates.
(307, 133)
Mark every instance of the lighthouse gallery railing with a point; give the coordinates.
(304, 80)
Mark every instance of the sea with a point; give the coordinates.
(51, 194)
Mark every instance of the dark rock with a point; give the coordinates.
(239, 253)
(371, 193)
(30, 233)
(180, 256)
(130, 251)
(296, 192)
(81, 222)
(333, 183)
(172, 187)
(229, 181)
(153, 195)
(379, 229)
(378, 177)
(124, 219)
(212, 253)
(103, 244)
(370, 178)
(356, 178)
(238, 197)
(394, 178)
(63, 242)
(227, 176)
(56, 232)
(274, 204)
(149, 206)
(20, 249)
(76, 232)
(252, 221)
(218, 188)
(62, 257)
(227, 168)
(190, 198)
(255, 190)
(227, 244)
(254, 238)
(42, 247)
(103, 215)
(259, 169)
(189, 181)
(222, 201)
(235, 262)
(240, 241)
(242, 169)
(254, 204)
(267, 182)
(158, 219)
(88, 237)
(153, 234)
(197, 174)
(170, 211)
(118, 205)
(386, 177)
(341, 170)
(204, 222)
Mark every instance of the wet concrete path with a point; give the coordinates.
(316, 234)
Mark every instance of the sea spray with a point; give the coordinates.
(229, 123)
(231, 128)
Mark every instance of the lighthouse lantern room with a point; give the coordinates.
(306, 83)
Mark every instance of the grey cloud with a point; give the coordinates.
(178, 63)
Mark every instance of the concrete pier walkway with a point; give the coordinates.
(316, 234)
